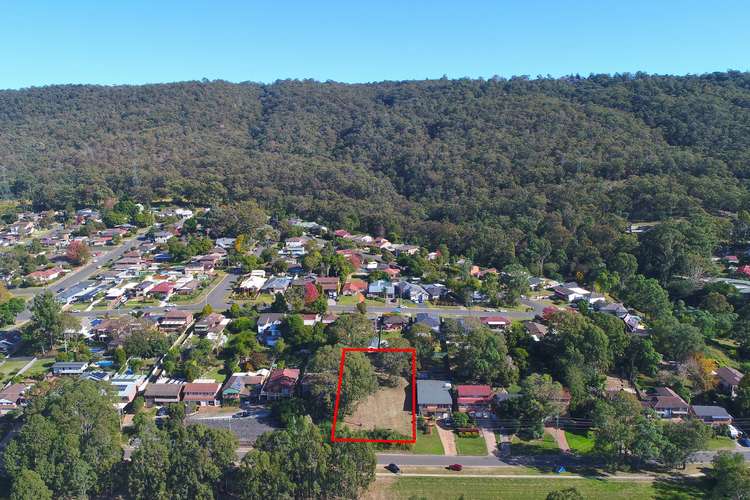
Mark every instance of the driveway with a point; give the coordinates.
(448, 439)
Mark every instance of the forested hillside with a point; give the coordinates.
(499, 170)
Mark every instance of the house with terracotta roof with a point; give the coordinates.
(162, 290)
(495, 322)
(353, 287)
(201, 393)
(474, 398)
(280, 383)
(46, 275)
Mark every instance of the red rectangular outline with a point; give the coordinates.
(413, 352)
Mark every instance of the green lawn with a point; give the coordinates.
(721, 443)
(139, 302)
(40, 367)
(216, 373)
(580, 442)
(11, 366)
(471, 445)
(352, 300)
(544, 446)
(724, 351)
(477, 488)
(428, 444)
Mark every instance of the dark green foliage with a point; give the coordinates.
(300, 462)
(70, 438)
(562, 162)
(181, 462)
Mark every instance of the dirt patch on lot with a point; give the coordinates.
(386, 409)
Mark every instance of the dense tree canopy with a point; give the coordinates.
(70, 438)
(545, 171)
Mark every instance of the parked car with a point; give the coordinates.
(744, 442)
(393, 468)
(456, 467)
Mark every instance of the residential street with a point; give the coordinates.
(80, 274)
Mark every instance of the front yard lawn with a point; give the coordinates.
(428, 444)
(11, 366)
(544, 446)
(40, 367)
(721, 443)
(471, 445)
(580, 441)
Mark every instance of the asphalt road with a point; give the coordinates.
(217, 298)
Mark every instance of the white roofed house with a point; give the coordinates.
(253, 283)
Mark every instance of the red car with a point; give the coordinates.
(456, 467)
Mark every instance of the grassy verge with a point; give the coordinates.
(581, 442)
(721, 443)
(40, 367)
(544, 446)
(471, 445)
(531, 489)
(11, 367)
(428, 444)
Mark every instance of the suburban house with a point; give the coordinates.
(431, 321)
(208, 323)
(276, 285)
(201, 393)
(162, 290)
(412, 292)
(436, 291)
(12, 397)
(126, 392)
(243, 385)
(280, 383)
(615, 309)
(571, 292)
(495, 322)
(46, 275)
(434, 398)
(474, 399)
(536, 330)
(353, 287)
(269, 327)
(69, 367)
(381, 288)
(667, 403)
(176, 321)
(252, 284)
(393, 322)
(729, 379)
(714, 415)
(161, 394)
(329, 285)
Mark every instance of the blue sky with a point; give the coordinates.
(116, 42)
